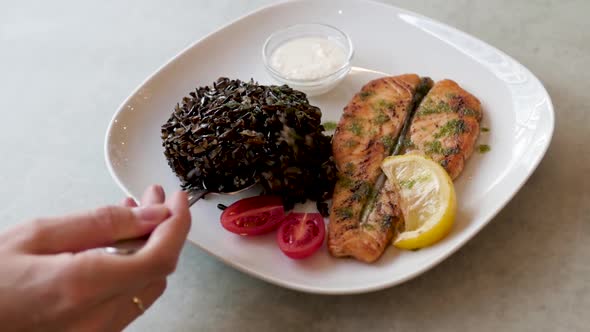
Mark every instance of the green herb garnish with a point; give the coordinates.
(428, 107)
(483, 148)
(368, 227)
(409, 184)
(362, 190)
(374, 131)
(349, 168)
(451, 128)
(344, 212)
(346, 182)
(435, 147)
(356, 128)
(388, 142)
(408, 144)
(351, 143)
(366, 94)
(330, 125)
(381, 118)
(469, 112)
(383, 105)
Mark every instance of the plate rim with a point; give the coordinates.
(294, 285)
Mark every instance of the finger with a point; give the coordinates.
(129, 202)
(153, 195)
(92, 229)
(166, 241)
(158, 258)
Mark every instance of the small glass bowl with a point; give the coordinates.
(320, 85)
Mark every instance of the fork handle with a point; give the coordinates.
(195, 195)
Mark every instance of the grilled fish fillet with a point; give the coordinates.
(367, 133)
(446, 126)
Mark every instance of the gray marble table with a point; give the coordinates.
(65, 66)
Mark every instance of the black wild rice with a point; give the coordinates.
(229, 135)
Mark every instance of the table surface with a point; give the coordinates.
(65, 66)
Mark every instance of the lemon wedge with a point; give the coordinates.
(428, 200)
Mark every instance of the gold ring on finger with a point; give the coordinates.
(138, 303)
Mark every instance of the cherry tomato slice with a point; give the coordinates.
(254, 215)
(301, 234)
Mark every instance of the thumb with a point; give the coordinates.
(92, 229)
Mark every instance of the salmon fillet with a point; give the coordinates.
(368, 131)
(365, 213)
(445, 126)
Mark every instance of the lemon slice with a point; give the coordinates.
(428, 201)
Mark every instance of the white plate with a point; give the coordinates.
(517, 109)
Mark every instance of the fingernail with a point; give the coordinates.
(129, 202)
(152, 213)
(158, 189)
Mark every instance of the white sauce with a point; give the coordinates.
(308, 58)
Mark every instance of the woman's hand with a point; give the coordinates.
(51, 279)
